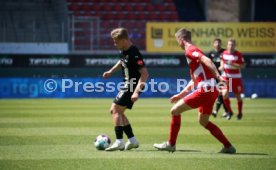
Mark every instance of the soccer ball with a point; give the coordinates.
(254, 96)
(102, 142)
(242, 95)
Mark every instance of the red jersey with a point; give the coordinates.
(200, 72)
(228, 70)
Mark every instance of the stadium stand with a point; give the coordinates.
(30, 21)
(124, 13)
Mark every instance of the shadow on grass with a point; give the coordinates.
(152, 150)
(257, 154)
(185, 150)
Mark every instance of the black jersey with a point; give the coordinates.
(215, 57)
(132, 62)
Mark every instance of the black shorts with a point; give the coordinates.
(123, 98)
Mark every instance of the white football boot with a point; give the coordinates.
(165, 146)
(117, 145)
(131, 144)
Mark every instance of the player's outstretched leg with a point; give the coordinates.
(174, 129)
(176, 111)
(217, 133)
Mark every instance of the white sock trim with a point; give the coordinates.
(119, 141)
(132, 139)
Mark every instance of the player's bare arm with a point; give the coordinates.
(184, 92)
(112, 70)
(221, 65)
(143, 78)
(206, 61)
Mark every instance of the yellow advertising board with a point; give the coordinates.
(253, 37)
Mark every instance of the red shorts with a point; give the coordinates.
(204, 101)
(235, 85)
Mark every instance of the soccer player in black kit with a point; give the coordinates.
(135, 75)
(214, 55)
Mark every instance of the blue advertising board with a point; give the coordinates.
(99, 87)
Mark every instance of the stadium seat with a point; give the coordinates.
(128, 8)
(107, 8)
(142, 16)
(85, 7)
(160, 8)
(118, 8)
(96, 8)
(171, 7)
(139, 7)
(74, 7)
(150, 8)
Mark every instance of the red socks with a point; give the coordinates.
(240, 107)
(227, 104)
(217, 133)
(174, 129)
(214, 130)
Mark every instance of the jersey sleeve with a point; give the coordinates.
(194, 54)
(140, 62)
(137, 61)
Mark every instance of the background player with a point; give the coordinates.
(135, 75)
(232, 62)
(214, 55)
(203, 73)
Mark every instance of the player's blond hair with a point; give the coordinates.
(232, 40)
(119, 33)
(184, 33)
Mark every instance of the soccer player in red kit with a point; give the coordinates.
(231, 64)
(203, 74)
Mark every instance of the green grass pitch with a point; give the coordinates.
(59, 134)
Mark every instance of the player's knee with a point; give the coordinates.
(174, 111)
(112, 110)
(115, 116)
(203, 122)
(238, 96)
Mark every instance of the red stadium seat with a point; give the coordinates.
(85, 8)
(131, 16)
(160, 8)
(107, 16)
(96, 8)
(150, 8)
(139, 7)
(142, 16)
(171, 7)
(118, 8)
(128, 8)
(73, 7)
(173, 16)
(153, 16)
(107, 8)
